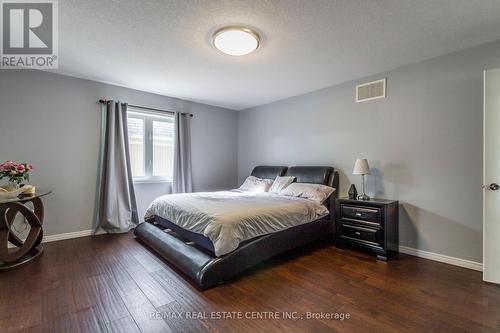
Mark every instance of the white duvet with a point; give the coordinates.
(230, 217)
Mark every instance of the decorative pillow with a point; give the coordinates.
(254, 184)
(280, 183)
(314, 192)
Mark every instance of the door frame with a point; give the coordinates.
(485, 181)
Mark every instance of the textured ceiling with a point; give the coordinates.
(164, 46)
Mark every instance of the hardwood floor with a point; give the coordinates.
(111, 283)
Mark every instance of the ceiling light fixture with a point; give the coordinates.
(236, 41)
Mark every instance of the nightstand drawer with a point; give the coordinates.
(360, 213)
(361, 234)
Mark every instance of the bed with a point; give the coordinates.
(208, 263)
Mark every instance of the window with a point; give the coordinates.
(151, 145)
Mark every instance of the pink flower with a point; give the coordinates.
(7, 166)
(14, 167)
(20, 168)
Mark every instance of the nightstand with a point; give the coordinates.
(371, 224)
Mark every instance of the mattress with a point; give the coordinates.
(228, 218)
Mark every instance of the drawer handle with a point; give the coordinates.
(357, 233)
(359, 214)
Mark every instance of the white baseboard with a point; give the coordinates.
(477, 266)
(68, 235)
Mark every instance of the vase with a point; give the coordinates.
(12, 186)
(353, 193)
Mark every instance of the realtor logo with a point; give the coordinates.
(29, 36)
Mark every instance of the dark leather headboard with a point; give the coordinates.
(312, 174)
(323, 175)
(269, 172)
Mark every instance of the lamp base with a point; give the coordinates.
(364, 197)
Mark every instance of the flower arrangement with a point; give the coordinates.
(16, 172)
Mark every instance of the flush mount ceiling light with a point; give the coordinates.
(236, 41)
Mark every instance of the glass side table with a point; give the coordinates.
(29, 248)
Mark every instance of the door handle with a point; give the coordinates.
(493, 187)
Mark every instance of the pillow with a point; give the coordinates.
(280, 183)
(314, 192)
(254, 184)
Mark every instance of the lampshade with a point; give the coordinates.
(361, 167)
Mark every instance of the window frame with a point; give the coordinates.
(148, 116)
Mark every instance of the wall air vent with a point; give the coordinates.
(370, 91)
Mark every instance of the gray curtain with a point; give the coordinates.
(116, 205)
(183, 182)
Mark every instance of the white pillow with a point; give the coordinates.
(280, 183)
(314, 192)
(254, 184)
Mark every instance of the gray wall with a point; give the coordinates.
(423, 142)
(53, 121)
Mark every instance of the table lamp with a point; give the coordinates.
(361, 168)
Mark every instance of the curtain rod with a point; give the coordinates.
(104, 101)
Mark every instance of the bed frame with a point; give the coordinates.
(193, 253)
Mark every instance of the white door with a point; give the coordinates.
(491, 181)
